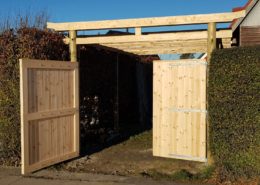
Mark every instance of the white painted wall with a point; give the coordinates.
(253, 19)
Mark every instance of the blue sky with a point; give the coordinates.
(86, 10)
(91, 10)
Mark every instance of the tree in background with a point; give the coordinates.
(23, 37)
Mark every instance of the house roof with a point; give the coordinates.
(247, 7)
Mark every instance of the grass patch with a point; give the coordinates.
(182, 175)
(143, 140)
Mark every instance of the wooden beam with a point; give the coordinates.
(51, 114)
(150, 37)
(173, 43)
(148, 22)
(211, 39)
(73, 45)
(138, 31)
(48, 64)
(195, 46)
(167, 51)
(167, 44)
(210, 48)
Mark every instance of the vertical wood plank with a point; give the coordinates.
(193, 115)
(155, 110)
(175, 105)
(24, 111)
(46, 141)
(180, 130)
(76, 105)
(138, 31)
(189, 114)
(203, 84)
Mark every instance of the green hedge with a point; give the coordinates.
(234, 107)
(14, 44)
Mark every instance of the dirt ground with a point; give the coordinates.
(130, 158)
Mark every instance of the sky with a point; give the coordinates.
(92, 10)
(87, 10)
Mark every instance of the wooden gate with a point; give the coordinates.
(179, 109)
(49, 113)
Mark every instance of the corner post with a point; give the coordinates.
(211, 42)
(211, 39)
(73, 45)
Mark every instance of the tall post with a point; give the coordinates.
(211, 39)
(73, 45)
(211, 46)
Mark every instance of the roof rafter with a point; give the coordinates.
(159, 42)
(150, 37)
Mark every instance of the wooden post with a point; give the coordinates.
(211, 46)
(211, 39)
(138, 31)
(73, 45)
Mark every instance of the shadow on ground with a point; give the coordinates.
(115, 97)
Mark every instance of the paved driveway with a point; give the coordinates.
(11, 176)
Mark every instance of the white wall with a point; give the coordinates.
(253, 19)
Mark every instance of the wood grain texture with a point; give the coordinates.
(179, 109)
(148, 22)
(249, 35)
(49, 106)
(152, 37)
(163, 43)
(211, 42)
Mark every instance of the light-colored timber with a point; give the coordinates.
(180, 126)
(138, 31)
(49, 113)
(211, 47)
(156, 37)
(179, 109)
(147, 22)
(211, 39)
(164, 43)
(73, 45)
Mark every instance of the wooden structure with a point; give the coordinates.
(153, 43)
(49, 113)
(246, 30)
(249, 35)
(180, 103)
(179, 109)
(49, 89)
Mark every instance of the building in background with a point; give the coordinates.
(246, 31)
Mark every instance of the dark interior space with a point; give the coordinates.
(115, 96)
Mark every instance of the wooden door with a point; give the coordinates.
(49, 113)
(179, 109)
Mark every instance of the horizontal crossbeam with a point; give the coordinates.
(157, 37)
(147, 22)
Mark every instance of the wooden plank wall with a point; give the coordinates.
(179, 109)
(49, 111)
(249, 35)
